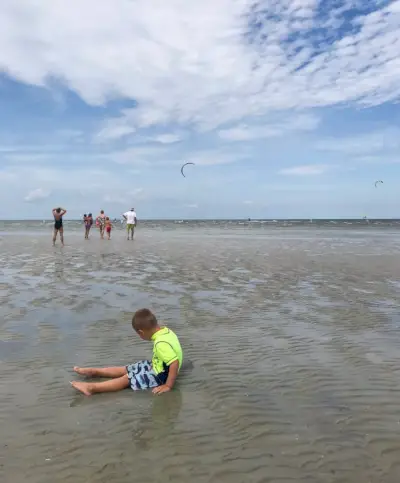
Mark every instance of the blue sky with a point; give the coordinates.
(287, 108)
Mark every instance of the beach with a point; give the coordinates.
(293, 335)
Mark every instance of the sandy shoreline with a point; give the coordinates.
(294, 340)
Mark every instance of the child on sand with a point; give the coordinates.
(108, 227)
(158, 374)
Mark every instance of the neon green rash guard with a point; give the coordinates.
(166, 350)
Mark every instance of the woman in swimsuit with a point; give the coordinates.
(88, 221)
(101, 221)
(58, 213)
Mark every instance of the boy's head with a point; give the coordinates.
(144, 322)
(102, 212)
(107, 218)
(58, 210)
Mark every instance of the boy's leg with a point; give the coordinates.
(89, 388)
(111, 372)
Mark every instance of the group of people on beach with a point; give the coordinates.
(103, 223)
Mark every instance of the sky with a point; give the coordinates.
(288, 108)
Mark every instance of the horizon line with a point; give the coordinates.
(223, 219)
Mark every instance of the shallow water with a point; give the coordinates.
(294, 338)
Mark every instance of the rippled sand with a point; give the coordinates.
(294, 339)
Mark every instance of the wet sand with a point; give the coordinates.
(294, 339)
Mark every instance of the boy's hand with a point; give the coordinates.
(161, 389)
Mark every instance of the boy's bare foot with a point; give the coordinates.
(83, 387)
(83, 372)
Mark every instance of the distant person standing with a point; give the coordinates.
(58, 213)
(88, 221)
(131, 220)
(101, 223)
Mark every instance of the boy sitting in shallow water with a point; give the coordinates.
(160, 373)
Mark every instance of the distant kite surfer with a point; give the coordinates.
(183, 174)
(58, 213)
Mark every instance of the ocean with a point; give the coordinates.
(291, 326)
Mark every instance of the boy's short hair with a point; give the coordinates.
(144, 319)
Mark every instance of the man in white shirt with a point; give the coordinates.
(130, 217)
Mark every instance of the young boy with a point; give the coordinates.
(108, 227)
(159, 374)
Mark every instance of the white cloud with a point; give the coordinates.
(70, 134)
(29, 158)
(248, 202)
(7, 176)
(210, 157)
(381, 159)
(193, 205)
(114, 129)
(75, 181)
(380, 140)
(246, 133)
(125, 199)
(166, 138)
(159, 54)
(139, 156)
(36, 195)
(307, 170)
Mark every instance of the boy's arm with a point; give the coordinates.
(172, 374)
(170, 382)
(167, 354)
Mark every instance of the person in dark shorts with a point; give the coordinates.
(88, 221)
(58, 213)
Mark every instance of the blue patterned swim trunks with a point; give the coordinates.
(142, 376)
